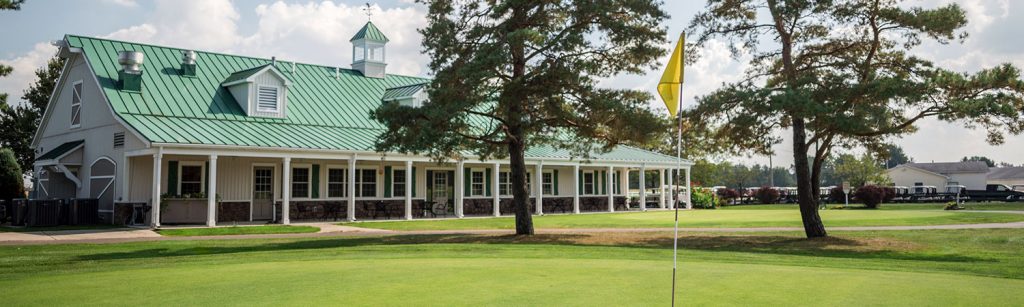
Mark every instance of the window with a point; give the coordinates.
(588, 183)
(357, 53)
(191, 179)
(266, 99)
(337, 182)
(504, 184)
(476, 186)
(300, 182)
(76, 104)
(398, 182)
(547, 184)
(366, 183)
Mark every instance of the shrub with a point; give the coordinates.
(728, 195)
(11, 184)
(703, 199)
(767, 195)
(870, 195)
(890, 194)
(952, 206)
(836, 195)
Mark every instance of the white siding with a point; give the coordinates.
(905, 176)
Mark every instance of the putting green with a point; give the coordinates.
(469, 282)
(783, 217)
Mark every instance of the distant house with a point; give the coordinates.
(1009, 176)
(971, 174)
(181, 136)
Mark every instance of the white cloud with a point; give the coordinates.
(198, 24)
(25, 67)
(124, 3)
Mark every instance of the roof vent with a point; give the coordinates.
(131, 69)
(188, 63)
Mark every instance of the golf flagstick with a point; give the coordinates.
(675, 202)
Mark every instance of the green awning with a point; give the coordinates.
(61, 150)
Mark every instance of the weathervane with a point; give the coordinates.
(368, 10)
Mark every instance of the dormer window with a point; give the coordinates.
(413, 95)
(267, 99)
(260, 91)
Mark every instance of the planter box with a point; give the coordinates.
(183, 211)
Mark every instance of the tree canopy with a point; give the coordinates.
(838, 74)
(21, 121)
(511, 75)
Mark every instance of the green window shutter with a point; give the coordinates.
(206, 177)
(387, 181)
(581, 182)
(451, 184)
(604, 182)
(413, 174)
(555, 174)
(316, 181)
(172, 178)
(466, 180)
(487, 182)
(618, 186)
(430, 185)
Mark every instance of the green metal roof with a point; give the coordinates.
(323, 112)
(370, 32)
(60, 150)
(402, 91)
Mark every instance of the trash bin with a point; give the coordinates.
(19, 210)
(81, 211)
(42, 213)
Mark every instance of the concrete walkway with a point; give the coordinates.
(333, 230)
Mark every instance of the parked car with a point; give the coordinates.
(996, 192)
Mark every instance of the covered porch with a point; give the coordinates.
(232, 186)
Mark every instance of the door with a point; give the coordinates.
(439, 187)
(262, 193)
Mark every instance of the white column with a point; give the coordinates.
(661, 188)
(352, 189)
(408, 190)
(211, 193)
(576, 188)
(496, 189)
(155, 208)
(688, 204)
(460, 187)
(538, 187)
(611, 189)
(286, 194)
(643, 187)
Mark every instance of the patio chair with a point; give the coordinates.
(380, 207)
(439, 209)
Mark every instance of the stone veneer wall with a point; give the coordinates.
(233, 212)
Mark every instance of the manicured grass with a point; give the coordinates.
(915, 268)
(710, 218)
(998, 206)
(236, 230)
(57, 228)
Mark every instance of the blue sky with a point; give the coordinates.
(318, 32)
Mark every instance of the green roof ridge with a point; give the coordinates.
(370, 32)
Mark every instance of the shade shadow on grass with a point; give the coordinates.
(831, 247)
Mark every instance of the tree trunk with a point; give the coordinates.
(813, 227)
(513, 99)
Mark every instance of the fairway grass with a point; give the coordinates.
(236, 230)
(915, 268)
(709, 218)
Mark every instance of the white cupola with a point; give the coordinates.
(368, 53)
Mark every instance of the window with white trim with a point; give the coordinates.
(589, 186)
(76, 104)
(397, 182)
(267, 98)
(504, 184)
(547, 183)
(366, 183)
(476, 183)
(300, 182)
(190, 178)
(337, 182)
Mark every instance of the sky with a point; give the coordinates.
(318, 32)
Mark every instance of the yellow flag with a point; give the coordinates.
(672, 79)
